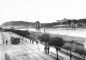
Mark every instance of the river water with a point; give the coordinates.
(68, 32)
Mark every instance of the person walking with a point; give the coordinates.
(6, 42)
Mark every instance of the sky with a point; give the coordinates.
(41, 10)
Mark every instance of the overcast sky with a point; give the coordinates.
(42, 10)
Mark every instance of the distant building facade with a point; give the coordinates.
(70, 23)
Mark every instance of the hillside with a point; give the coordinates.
(23, 24)
(18, 24)
(81, 23)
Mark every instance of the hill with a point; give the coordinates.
(81, 23)
(23, 24)
(18, 24)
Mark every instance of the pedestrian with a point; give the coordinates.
(6, 42)
(37, 42)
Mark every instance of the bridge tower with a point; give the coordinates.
(38, 25)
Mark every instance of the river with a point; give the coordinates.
(68, 32)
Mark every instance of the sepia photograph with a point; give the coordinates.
(42, 29)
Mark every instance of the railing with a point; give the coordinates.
(68, 54)
(60, 57)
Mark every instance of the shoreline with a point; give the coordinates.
(80, 40)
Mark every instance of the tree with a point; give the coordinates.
(32, 38)
(36, 39)
(45, 38)
(81, 51)
(20, 32)
(57, 42)
(67, 46)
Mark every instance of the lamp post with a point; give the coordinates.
(71, 49)
(85, 48)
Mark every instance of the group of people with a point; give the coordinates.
(5, 42)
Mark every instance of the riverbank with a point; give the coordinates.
(78, 35)
(80, 40)
(67, 45)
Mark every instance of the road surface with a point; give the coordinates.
(2, 50)
(21, 51)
